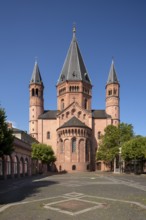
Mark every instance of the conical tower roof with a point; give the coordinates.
(112, 77)
(74, 68)
(74, 122)
(36, 76)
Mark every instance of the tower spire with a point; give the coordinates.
(36, 76)
(74, 68)
(112, 77)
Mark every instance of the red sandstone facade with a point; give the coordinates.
(74, 129)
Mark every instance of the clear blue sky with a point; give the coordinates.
(43, 28)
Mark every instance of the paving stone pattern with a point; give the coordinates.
(101, 196)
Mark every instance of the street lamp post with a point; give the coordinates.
(120, 161)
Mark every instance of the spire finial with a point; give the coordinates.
(74, 28)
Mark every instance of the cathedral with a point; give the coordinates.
(73, 129)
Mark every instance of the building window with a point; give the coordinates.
(67, 114)
(32, 92)
(84, 116)
(37, 92)
(73, 145)
(85, 103)
(62, 104)
(79, 114)
(73, 167)
(110, 92)
(48, 135)
(115, 91)
(87, 147)
(61, 147)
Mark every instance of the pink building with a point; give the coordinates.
(73, 129)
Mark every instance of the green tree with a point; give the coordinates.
(125, 132)
(6, 136)
(109, 144)
(134, 149)
(113, 138)
(43, 152)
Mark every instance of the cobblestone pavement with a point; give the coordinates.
(88, 196)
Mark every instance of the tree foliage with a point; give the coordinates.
(6, 136)
(43, 152)
(134, 149)
(125, 132)
(112, 140)
(108, 146)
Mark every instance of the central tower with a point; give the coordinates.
(74, 83)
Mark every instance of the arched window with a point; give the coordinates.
(37, 92)
(87, 147)
(73, 167)
(115, 91)
(48, 135)
(62, 104)
(73, 145)
(73, 111)
(61, 147)
(110, 92)
(79, 113)
(85, 103)
(32, 92)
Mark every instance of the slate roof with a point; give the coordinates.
(48, 114)
(74, 68)
(112, 78)
(52, 114)
(36, 76)
(100, 114)
(16, 130)
(74, 122)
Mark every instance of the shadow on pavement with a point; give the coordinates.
(17, 190)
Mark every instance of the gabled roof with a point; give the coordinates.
(74, 68)
(112, 78)
(36, 76)
(74, 122)
(16, 130)
(48, 114)
(100, 114)
(74, 104)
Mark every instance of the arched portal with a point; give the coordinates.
(21, 166)
(9, 166)
(26, 167)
